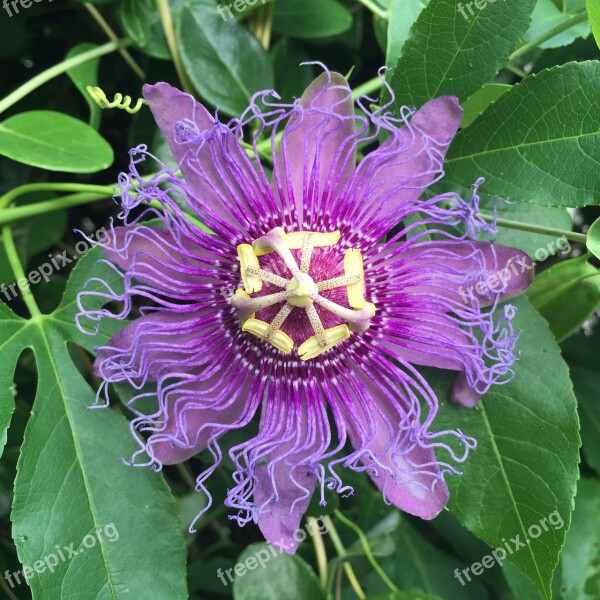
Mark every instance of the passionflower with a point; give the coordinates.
(317, 290)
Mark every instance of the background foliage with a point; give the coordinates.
(528, 75)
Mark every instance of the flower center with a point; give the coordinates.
(300, 291)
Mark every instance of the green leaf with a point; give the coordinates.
(593, 238)
(539, 142)
(54, 141)
(223, 59)
(566, 294)
(84, 75)
(448, 54)
(480, 100)
(141, 21)
(264, 573)
(593, 8)
(524, 470)
(419, 565)
(403, 13)
(310, 19)
(71, 489)
(579, 569)
(547, 15)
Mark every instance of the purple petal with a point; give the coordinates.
(223, 182)
(401, 168)
(318, 149)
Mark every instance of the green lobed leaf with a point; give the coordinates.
(84, 75)
(539, 142)
(223, 59)
(480, 100)
(263, 572)
(579, 569)
(54, 141)
(448, 54)
(71, 489)
(525, 466)
(593, 238)
(566, 294)
(310, 19)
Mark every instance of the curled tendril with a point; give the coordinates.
(120, 101)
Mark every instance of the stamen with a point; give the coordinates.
(279, 339)
(337, 282)
(248, 261)
(312, 347)
(315, 321)
(277, 322)
(307, 250)
(353, 265)
(268, 276)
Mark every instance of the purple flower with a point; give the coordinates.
(320, 289)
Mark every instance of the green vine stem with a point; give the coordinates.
(574, 20)
(59, 69)
(19, 273)
(373, 85)
(570, 235)
(108, 30)
(342, 554)
(169, 30)
(320, 551)
(365, 544)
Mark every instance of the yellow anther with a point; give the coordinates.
(312, 347)
(278, 338)
(353, 265)
(249, 260)
(295, 241)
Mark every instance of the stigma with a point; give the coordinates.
(299, 291)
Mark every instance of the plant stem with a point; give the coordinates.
(339, 546)
(570, 235)
(108, 30)
(17, 269)
(373, 85)
(58, 69)
(167, 22)
(10, 215)
(319, 551)
(376, 10)
(365, 544)
(7, 198)
(574, 20)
